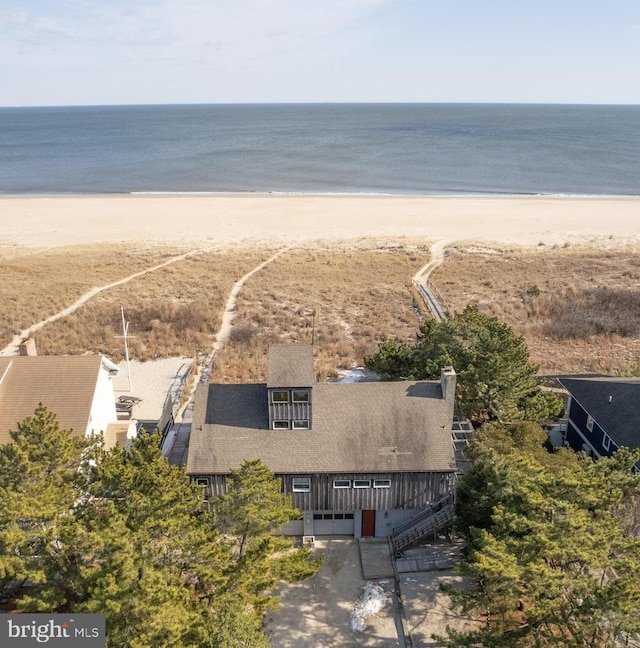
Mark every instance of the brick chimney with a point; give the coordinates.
(27, 347)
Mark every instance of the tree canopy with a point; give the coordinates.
(124, 533)
(553, 556)
(496, 380)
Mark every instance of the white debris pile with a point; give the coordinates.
(372, 601)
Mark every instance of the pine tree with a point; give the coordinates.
(124, 533)
(496, 380)
(160, 578)
(41, 483)
(551, 558)
(251, 511)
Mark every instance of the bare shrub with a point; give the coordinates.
(242, 334)
(591, 312)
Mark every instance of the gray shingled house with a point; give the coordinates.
(360, 459)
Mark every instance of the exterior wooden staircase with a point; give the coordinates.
(433, 519)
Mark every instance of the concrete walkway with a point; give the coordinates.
(375, 558)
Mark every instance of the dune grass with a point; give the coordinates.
(172, 311)
(578, 308)
(35, 284)
(344, 296)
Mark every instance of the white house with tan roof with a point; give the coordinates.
(78, 389)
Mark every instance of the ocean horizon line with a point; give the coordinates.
(325, 103)
(328, 194)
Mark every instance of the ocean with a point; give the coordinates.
(322, 148)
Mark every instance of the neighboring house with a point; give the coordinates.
(358, 459)
(78, 389)
(603, 414)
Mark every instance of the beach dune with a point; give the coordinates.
(52, 221)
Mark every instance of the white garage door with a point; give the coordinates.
(327, 523)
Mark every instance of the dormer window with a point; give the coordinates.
(300, 395)
(279, 396)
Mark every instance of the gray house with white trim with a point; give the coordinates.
(358, 459)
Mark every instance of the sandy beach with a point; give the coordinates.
(234, 218)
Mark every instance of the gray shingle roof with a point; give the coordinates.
(620, 418)
(65, 384)
(358, 427)
(290, 365)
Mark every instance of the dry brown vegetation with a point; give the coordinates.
(173, 311)
(348, 295)
(35, 284)
(577, 308)
(360, 293)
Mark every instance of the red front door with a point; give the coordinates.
(368, 523)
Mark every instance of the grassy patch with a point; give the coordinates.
(172, 311)
(35, 284)
(578, 308)
(346, 296)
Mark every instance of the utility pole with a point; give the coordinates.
(313, 327)
(125, 336)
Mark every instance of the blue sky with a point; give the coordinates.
(77, 52)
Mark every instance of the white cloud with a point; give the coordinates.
(246, 29)
(17, 17)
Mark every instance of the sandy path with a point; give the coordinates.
(12, 348)
(227, 321)
(432, 300)
(204, 371)
(230, 308)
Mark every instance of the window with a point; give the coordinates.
(301, 484)
(203, 482)
(338, 516)
(382, 483)
(301, 425)
(348, 516)
(606, 441)
(590, 423)
(362, 483)
(281, 425)
(327, 516)
(279, 396)
(317, 516)
(300, 396)
(342, 483)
